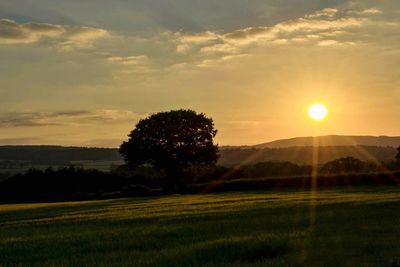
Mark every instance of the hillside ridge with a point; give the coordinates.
(327, 140)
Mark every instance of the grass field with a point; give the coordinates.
(341, 227)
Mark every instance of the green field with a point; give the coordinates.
(343, 227)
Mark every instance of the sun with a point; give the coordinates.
(317, 111)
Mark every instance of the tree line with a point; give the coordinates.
(55, 154)
(73, 183)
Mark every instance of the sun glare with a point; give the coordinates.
(317, 111)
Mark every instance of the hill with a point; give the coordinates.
(304, 154)
(334, 140)
(300, 149)
(56, 154)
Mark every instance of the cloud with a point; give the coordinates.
(13, 33)
(325, 22)
(67, 36)
(84, 34)
(326, 12)
(325, 28)
(327, 42)
(334, 43)
(182, 48)
(197, 38)
(42, 28)
(311, 27)
(215, 61)
(291, 30)
(63, 118)
(369, 11)
(344, 26)
(220, 48)
(128, 60)
(81, 36)
(188, 40)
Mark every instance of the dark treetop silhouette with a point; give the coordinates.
(398, 154)
(172, 142)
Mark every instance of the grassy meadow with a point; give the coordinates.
(335, 227)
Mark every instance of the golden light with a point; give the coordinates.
(317, 111)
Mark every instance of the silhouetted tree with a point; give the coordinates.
(172, 142)
(398, 154)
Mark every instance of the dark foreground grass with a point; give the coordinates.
(341, 227)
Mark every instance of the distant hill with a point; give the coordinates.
(304, 154)
(56, 154)
(334, 140)
(299, 150)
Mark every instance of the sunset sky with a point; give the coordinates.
(83, 72)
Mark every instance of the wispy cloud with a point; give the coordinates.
(344, 26)
(215, 61)
(128, 60)
(197, 38)
(63, 118)
(312, 27)
(220, 48)
(66, 36)
(308, 28)
(186, 41)
(14, 33)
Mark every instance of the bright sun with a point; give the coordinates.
(317, 111)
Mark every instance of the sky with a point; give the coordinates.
(83, 72)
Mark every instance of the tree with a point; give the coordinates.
(172, 142)
(398, 154)
(347, 165)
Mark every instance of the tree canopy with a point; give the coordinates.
(398, 154)
(171, 142)
(347, 165)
